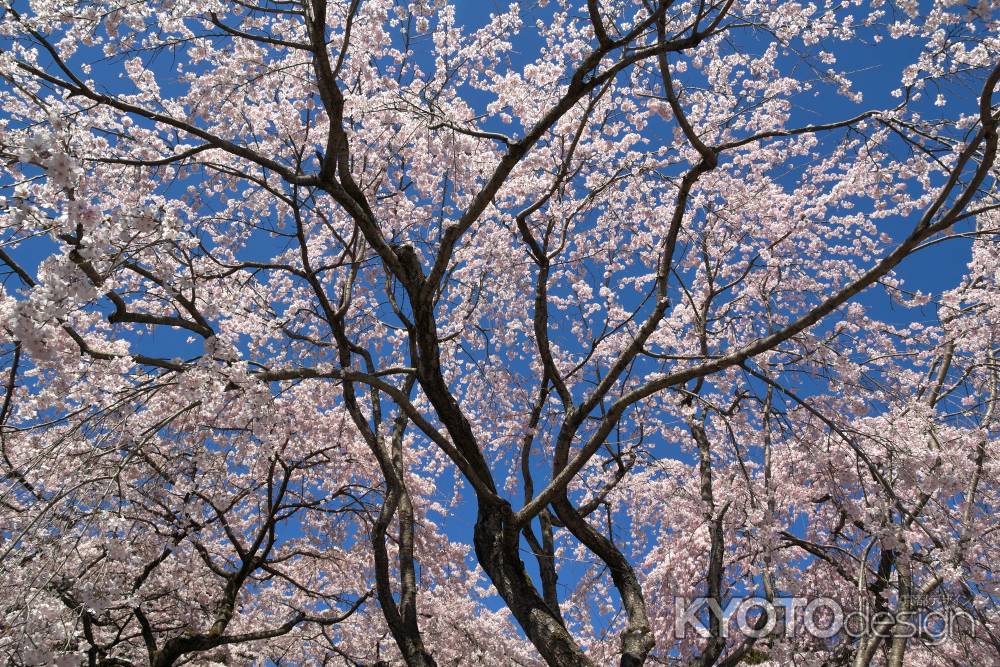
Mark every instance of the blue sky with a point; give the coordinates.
(877, 70)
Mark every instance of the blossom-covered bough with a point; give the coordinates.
(364, 333)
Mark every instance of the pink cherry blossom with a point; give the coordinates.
(371, 332)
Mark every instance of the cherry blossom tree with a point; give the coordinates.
(365, 332)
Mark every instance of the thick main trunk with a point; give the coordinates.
(496, 547)
(496, 539)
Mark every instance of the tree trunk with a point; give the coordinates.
(496, 547)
